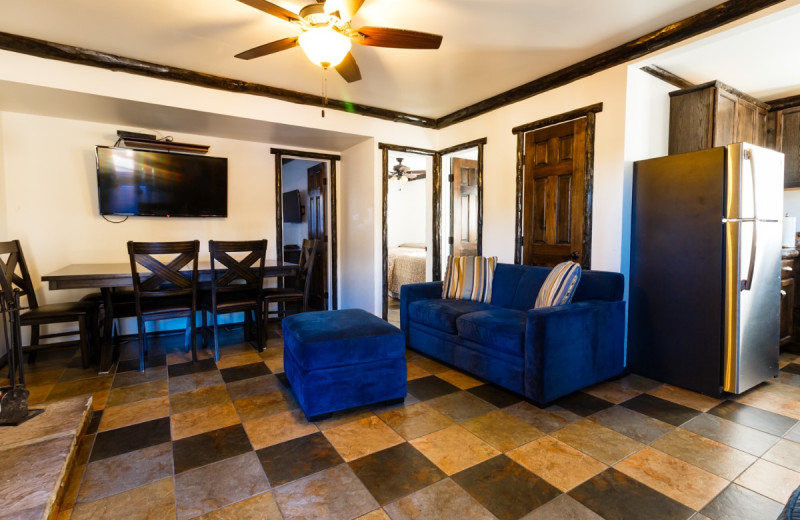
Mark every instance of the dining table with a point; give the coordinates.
(108, 276)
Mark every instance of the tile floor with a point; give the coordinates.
(227, 441)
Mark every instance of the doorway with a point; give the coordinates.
(305, 187)
(554, 189)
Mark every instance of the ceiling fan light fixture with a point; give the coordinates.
(324, 46)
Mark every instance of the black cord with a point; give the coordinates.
(115, 221)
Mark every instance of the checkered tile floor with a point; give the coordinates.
(227, 441)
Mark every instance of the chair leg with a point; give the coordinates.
(216, 334)
(193, 328)
(34, 341)
(83, 332)
(204, 327)
(142, 340)
(259, 328)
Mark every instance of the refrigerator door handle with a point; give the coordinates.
(748, 283)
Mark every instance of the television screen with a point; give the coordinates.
(291, 207)
(161, 184)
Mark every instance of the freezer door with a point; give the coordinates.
(752, 303)
(754, 183)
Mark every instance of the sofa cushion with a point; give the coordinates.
(559, 286)
(442, 314)
(498, 328)
(469, 278)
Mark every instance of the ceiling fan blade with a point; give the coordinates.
(349, 8)
(348, 69)
(268, 48)
(398, 38)
(274, 10)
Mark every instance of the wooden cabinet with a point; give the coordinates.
(787, 300)
(714, 114)
(784, 136)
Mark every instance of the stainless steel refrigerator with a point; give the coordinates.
(705, 268)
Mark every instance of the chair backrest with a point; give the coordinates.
(15, 274)
(152, 277)
(305, 266)
(245, 274)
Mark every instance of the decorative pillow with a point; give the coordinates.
(559, 286)
(469, 278)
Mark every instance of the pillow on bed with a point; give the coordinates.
(559, 286)
(469, 278)
(414, 245)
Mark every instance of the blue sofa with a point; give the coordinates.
(542, 354)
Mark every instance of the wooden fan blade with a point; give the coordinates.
(398, 38)
(348, 69)
(268, 48)
(274, 10)
(349, 8)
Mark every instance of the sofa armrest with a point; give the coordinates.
(570, 347)
(412, 292)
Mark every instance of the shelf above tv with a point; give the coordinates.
(168, 146)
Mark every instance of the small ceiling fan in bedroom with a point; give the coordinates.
(327, 36)
(403, 173)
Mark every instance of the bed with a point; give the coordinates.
(406, 265)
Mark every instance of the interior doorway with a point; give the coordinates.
(305, 188)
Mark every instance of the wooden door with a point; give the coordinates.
(317, 211)
(464, 207)
(553, 194)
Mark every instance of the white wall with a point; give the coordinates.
(791, 205)
(406, 216)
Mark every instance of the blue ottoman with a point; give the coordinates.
(336, 360)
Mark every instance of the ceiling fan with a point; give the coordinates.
(402, 172)
(327, 35)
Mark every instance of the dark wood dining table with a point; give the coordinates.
(111, 275)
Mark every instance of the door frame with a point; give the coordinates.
(589, 113)
(281, 154)
(436, 213)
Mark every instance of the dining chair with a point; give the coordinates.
(14, 269)
(297, 293)
(164, 290)
(237, 278)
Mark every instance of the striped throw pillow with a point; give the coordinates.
(469, 278)
(559, 286)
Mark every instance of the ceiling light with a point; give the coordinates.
(324, 46)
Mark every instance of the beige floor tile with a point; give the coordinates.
(264, 404)
(203, 420)
(180, 356)
(239, 358)
(558, 463)
(415, 420)
(200, 398)
(259, 507)
(153, 501)
(434, 367)
(454, 449)
(277, 428)
(415, 372)
(73, 484)
(99, 400)
(133, 413)
(774, 397)
(685, 397)
(679, 480)
(359, 438)
(785, 453)
(142, 392)
(273, 357)
(66, 390)
(612, 392)
(378, 514)
(38, 394)
(604, 444)
(459, 379)
(501, 430)
(770, 480)
(704, 453)
(340, 418)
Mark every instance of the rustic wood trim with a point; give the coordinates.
(385, 233)
(721, 86)
(783, 103)
(588, 191)
(405, 149)
(671, 34)
(436, 216)
(667, 76)
(464, 146)
(480, 199)
(560, 118)
(333, 245)
(518, 198)
(103, 60)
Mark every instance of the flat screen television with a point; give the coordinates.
(161, 184)
(292, 211)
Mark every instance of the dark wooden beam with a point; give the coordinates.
(707, 20)
(305, 155)
(560, 118)
(665, 75)
(780, 104)
(463, 146)
(56, 51)
(405, 149)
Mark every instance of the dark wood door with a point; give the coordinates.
(464, 207)
(317, 211)
(553, 194)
